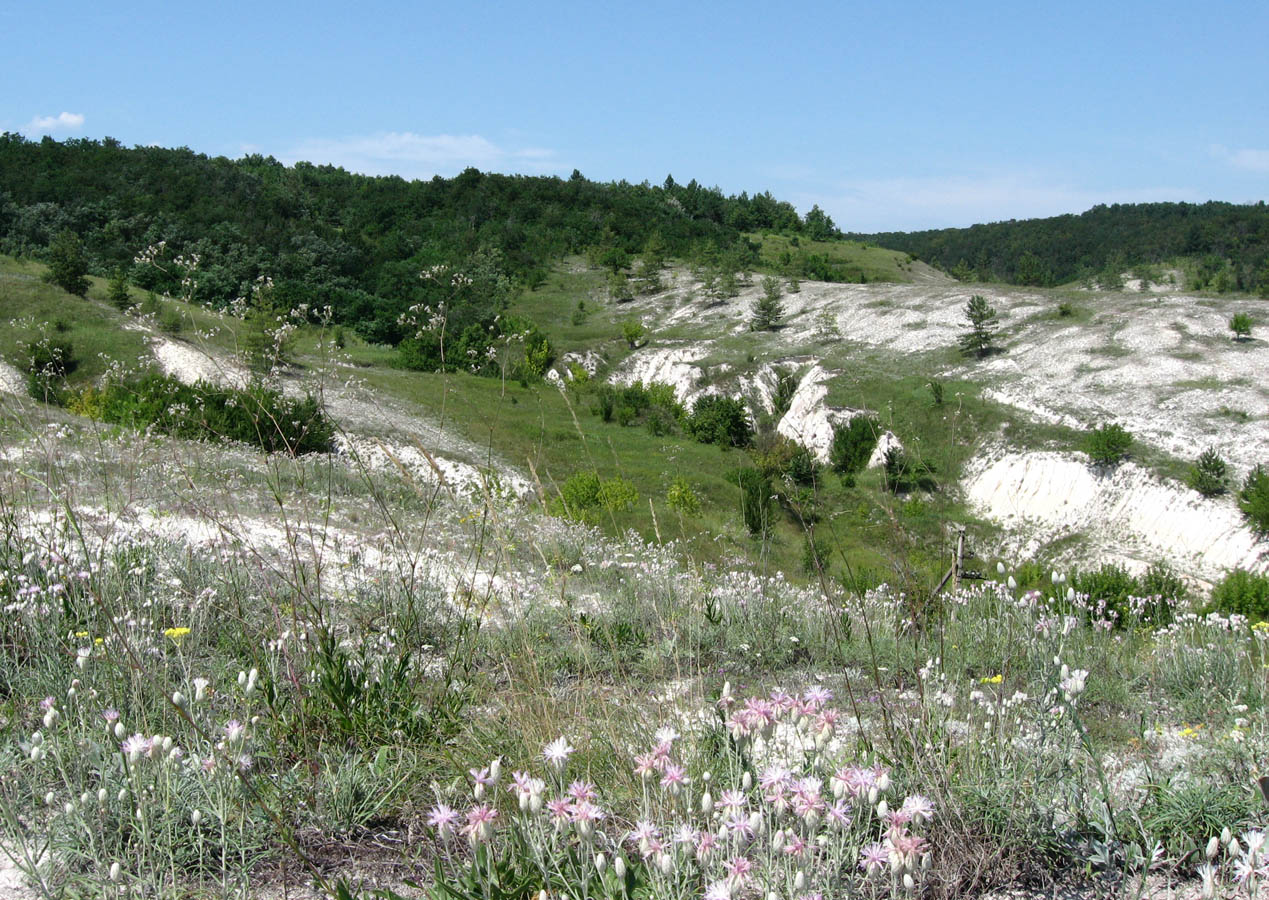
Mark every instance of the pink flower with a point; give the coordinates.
(645, 765)
(874, 858)
(705, 842)
(738, 869)
(581, 790)
(561, 809)
(443, 819)
(675, 776)
(480, 822)
(818, 695)
(731, 800)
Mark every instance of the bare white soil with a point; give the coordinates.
(190, 364)
(1127, 514)
(421, 466)
(11, 380)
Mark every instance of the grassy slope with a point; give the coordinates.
(876, 263)
(540, 430)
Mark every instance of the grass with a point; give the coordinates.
(873, 263)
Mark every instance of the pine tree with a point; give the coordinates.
(117, 291)
(982, 321)
(67, 265)
(768, 310)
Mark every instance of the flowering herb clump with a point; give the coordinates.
(797, 817)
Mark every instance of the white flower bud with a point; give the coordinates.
(619, 866)
(1213, 847)
(799, 881)
(1000, 568)
(195, 817)
(707, 803)
(601, 863)
(85, 798)
(746, 782)
(50, 798)
(665, 863)
(882, 809)
(178, 699)
(119, 730)
(50, 717)
(115, 871)
(242, 678)
(908, 883)
(122, 795)
(101, 796)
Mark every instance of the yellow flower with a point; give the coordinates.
(992, 679)
(99, 641)
(176, 634)
(81, 634)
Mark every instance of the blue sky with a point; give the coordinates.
(888, 115)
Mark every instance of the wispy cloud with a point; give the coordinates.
(890, 204)
(65, 121)
(1247, 159)
(413, 155)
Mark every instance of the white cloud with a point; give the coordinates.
(1247, 159)
(421, 156)
(916, 203)
(61, 122)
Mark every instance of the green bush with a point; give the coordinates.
(583, 494)
(258, 416)
(1242, 592)
(1253, 499)
(720, 420)
(1207, 475)
(1240, 324)
(1149, 599)
(852, 446)
(1108, 444)
(682, 498)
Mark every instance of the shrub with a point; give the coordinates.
(1114, 594)
(682, 498)
(720, 420)
(583, 494)
(1108, 444)
(258, 416)
(632, 332)
(1242, 592)
(895, 465)
(1207, 475)
(852, 446)
(1253, 499)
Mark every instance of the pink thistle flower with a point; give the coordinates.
(738, 824)
(920, 807)
(839, 814)
(874, 858)
(731, 800)
(560, 809)
(774, 776)
(818, 695)
(584, 811)
(645, 765)
(581, 790)
(480, 823)
(738, 869)
(644, 831)
(797, 846)
(444, 819)
(705, 841)
(674, 777)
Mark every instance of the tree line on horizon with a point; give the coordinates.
(354, 243)
(1222, 246)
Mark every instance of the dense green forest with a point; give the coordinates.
(1223, 246)
(353, 243)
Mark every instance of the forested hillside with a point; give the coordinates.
(354, 243)
(1223, 246)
